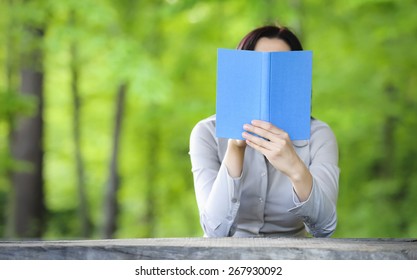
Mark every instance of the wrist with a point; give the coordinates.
(301, 180)
(234, 158)
(299, 172)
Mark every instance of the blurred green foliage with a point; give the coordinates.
(364, 86)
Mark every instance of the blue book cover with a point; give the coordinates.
(269, 86)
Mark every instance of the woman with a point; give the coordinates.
(265, 185)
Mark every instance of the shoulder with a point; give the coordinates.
(203, 138)
(323, 141)
(204, 134)
(208, 123)
(321, 131)
(205, 127)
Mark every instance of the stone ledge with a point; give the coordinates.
(212, 249)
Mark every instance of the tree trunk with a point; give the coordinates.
(151, 155)
(27, 147)
(83, 208)
(11, 83)
(110, 204)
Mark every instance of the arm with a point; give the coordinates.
(316, 185)
(319, 210)
(216, 180)
(277, 147)
(234, 157)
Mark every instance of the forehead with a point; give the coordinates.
(265, 44)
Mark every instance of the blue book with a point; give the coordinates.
(269, 86)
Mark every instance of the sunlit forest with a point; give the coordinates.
(98, 99)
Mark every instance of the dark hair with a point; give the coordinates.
(270, 31)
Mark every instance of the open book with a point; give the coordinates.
(269, 86)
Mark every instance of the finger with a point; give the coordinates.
(259, 131)
(257, 147)
(269, 127)
(258, 141)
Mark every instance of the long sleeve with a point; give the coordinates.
(319, 210)
(262, 201)
(217, 193)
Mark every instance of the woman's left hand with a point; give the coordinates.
(276, 146)
(273, 143)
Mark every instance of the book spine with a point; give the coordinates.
(265, 85)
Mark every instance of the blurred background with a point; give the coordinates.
(98, 99)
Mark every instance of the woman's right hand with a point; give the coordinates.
(237, 143)
(234, 157)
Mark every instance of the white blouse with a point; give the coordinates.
(262, 202)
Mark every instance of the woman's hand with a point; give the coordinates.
(276, 146)
(234, 157)
(273, 143)
(237, 143)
